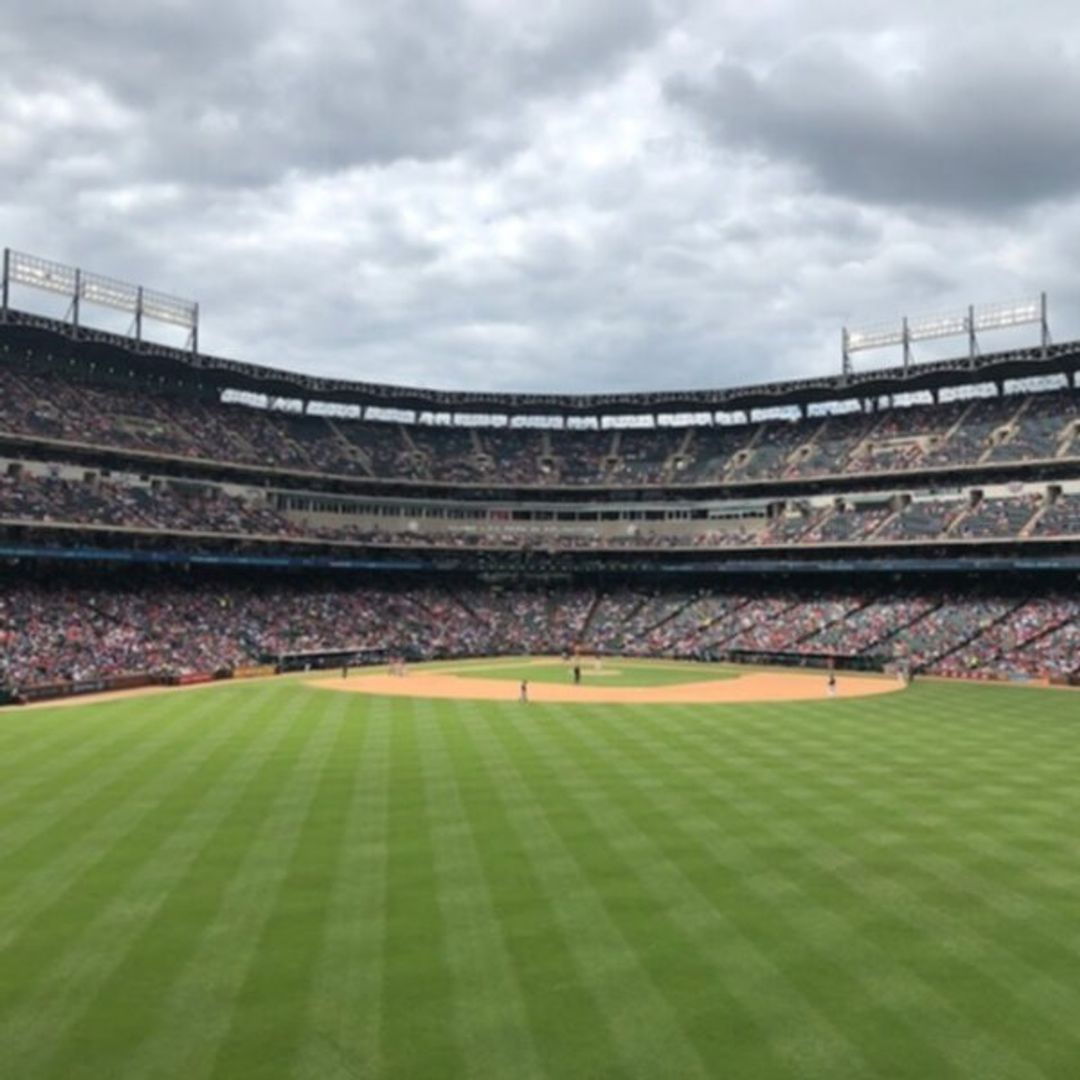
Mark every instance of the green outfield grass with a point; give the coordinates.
(272, 880)
(609, 672)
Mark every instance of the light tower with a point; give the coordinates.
(81, 287)
(969, 324)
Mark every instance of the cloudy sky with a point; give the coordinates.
(549, 194)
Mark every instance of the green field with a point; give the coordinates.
(272, 880)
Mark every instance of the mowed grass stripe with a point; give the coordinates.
(992, 851)
(776, 924)
(730, 988)
(52, 763)
(571, 1032)
(979, 929)
(417, 1032)
(645, 1031)
(209, 932)
(66, 805)
(276, 939)
(1015, 846)
(84, 936)
(25, 733)
(491, 1020)
(53, 875)
(959, 1026)
(345, 1004)
(961, 923)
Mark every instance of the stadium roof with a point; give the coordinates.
(161, 363)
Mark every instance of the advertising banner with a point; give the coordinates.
(256, 672)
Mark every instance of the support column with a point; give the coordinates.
(75, 303)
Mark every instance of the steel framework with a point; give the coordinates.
(81, 287)
(969, 323)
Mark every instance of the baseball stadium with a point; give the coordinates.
(359, 730)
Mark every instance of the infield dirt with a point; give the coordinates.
(753, 686)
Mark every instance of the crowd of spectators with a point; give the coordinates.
(761, 624)
(950, 625)
(793, 524)
(1006, 429)
(1038, 432)
(56, 630)
(849, 524)
(174, 507)
(1054, 654)
(1061, 518)
(832, 446)
(629, 621)
(999, 517)
(868, 628)
(690, 629)
(923, 519)
(1010, 645)
(185, 507)
(50, 632)
(973, 437)
(768, 454)
(782, 624)
(902, 437)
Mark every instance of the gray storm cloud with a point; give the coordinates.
(606, 194)
(963, 129)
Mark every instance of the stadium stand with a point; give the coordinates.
(828, 452)
(164, 515)
(868, 627)
(131, 502)
(925, 519)
(1000, 516)
(1011, 429)
(846, 523)
(1061, 518)
(1009, 645)
(1039, 429)
(53, 630)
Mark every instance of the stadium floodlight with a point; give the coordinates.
(106, 292)
(875, 337)
(81, 287)
(972, 322)
(930, 327)
(38, 273)
(170, 309)
(1003, 316)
